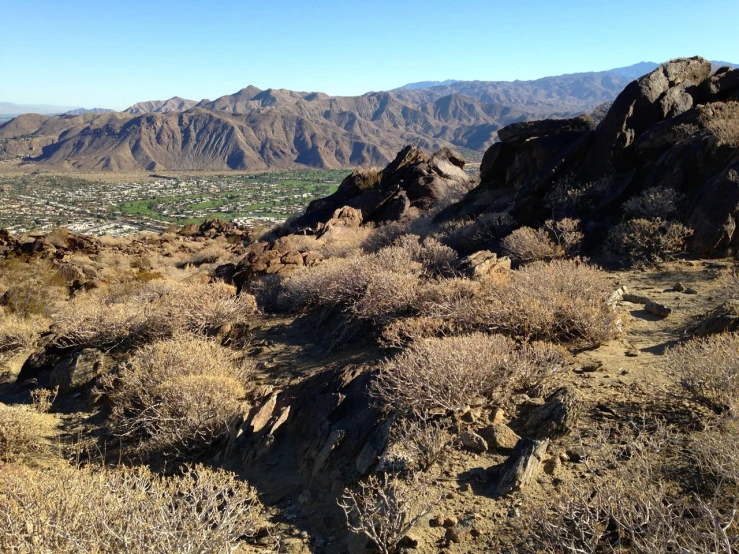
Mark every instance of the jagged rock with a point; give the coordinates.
(412, 181)
(262, 416)
(78, 370)
(522, 467)
(483, 263)
(657, 309)
(333, 433)
(723, 318)
(556, 417)
(527, 130)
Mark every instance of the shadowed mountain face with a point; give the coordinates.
(259, 129)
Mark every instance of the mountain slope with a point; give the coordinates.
(258, 129)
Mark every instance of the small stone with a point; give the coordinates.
(678, 287)
(500, 437)
(475, 532)
(657, 309)
(436, 521)
(497, 415)
(473, 441)
(453, 536)
(305, 497)
(690, 291)
(450, 521)
(408, 541)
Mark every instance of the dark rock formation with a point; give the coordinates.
(413, 181)
(326, 427)
(677, 128)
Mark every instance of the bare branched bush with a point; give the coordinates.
(177, 396)
(154, 311)
(386, 508)
(417, 443)
(647, 241)
(436, 258)
(629, 505)
(31, 288)
(470, 236)
(71, 511)
(656, 202)
(208, 255)
(370, 286)
(554, 240)
(42, 399)
(709, 370)
(569, 197)
(18, 333)
(448, 373)
(22, 432)
(728, 286)
(562, 301)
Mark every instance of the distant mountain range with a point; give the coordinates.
(259, 129)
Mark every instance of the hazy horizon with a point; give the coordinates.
(112, 56)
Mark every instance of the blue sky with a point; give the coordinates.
(113, 53)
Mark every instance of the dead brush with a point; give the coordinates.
(68, 511)
(176, 397)
(386, 508)
(22, 433)
(18, 333)
(708, 369)
(629, 505)
(448, 373)
(149, 312)
(554, 240)
(647, 241)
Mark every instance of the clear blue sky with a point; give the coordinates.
(112, 53)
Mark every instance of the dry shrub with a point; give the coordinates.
(370, 286)
(18, 333)
(436, 258)
(208, 255)
(728, 286)
(43, 399)
(150, 312)
(177, 396)
(343, 242)
(562, 301)
(569, 197)
(470, 236)
(629, 505)
(709, 370)
(85, 511)
(386, 508)
(652, 203)
(31, 288)
(646, 241)
(416, 443)
(556, 239)
(450, 372)
(22, 432)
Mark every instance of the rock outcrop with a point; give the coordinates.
(675, 128)
(413, 181)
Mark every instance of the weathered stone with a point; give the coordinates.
(483, 263)
(522, 467)
(500, 437)
(657, 309)
(78, 370)
(473, 441)
(262, 416)
(556, 417)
